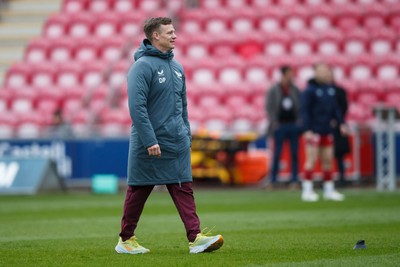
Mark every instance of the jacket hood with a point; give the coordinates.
(147, 49)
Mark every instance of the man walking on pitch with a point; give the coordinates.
(159, 150)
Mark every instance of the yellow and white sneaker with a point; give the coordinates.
(206, 243)
(130, 246)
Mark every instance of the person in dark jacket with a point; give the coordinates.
(283, 109)
(319, 112)
(341, 142)
(159, 150)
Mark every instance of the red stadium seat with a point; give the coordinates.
(362, 68)
(205, 72)
(394, 19)
(193, 21)
(8, 122)
(211, 4)
(149, 5)
(348, 17)
(124, 5)
(217, 22)
(112, 48)
(37, 50)
(99, 6)
(73, 100)
(382, 42)
(243, 21)
(69, 75)
(131, 24)
(297, 18)
(276, 44)
(199, 91)
(355, 42)
(18, 75)
(230, 71)
(322, 17)
(368, 98)
(251, 45)
(356, 112)
(198, 47)
(388, 68)
(107, 24)
(87, 49)
(242, 90)
(256, 70)
(56, 26)
(118, 75)
(114, 122)
(93, 73)
(74, 6)
(270, 19)
(81, 25)
(23, 100)
(48, 102)
(62, 49)
(43, 74)
(393, 99)
(80, 121)
(224, 45)
(209, 101)
(374, 17)
(329, 42)
(237, 4)
(303, 43)
(236, 101)
(259, 4)
(29, 125)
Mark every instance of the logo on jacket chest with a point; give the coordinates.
(161, 76)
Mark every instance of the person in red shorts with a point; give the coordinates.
(320, 113)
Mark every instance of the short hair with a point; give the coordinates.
(320, 63)
(153, 24)
(285, 69)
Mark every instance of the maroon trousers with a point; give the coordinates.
(182, 195)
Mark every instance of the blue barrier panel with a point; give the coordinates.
(75, 159)
(27, 175)
(91, 157)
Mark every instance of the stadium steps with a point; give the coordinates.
(21, 21)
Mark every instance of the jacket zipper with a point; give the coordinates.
(173, 87)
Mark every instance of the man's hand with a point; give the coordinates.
(344, 129)
(154, 150)
(308, 136)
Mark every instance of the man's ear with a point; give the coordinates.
(156, 36)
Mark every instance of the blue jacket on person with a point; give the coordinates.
(158, 108)
(319, 108)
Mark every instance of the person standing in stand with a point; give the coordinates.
(283, 109)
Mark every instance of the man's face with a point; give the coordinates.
(288, 76)
(323, 73)
(165, 37)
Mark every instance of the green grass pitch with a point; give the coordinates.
(260, 229)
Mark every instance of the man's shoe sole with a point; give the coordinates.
(211, 246)
(120, 250)
(216, 245)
